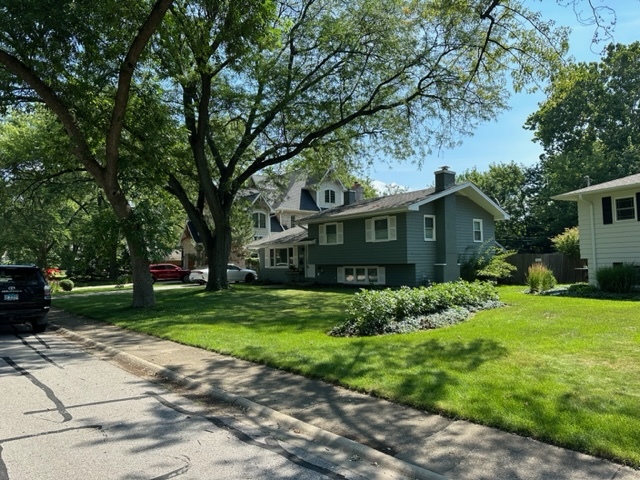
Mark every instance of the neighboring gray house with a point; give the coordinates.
(609, 222)
(404, 239)
(275, 209)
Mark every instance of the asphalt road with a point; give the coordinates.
(67, 414)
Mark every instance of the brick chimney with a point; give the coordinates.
(445, 178)
(359, 191)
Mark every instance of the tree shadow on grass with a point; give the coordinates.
(419, 376)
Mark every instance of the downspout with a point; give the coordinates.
(593, 235)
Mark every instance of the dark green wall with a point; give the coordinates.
(409, 260)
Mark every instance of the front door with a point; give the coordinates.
(303, 265)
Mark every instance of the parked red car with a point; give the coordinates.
(168, 271)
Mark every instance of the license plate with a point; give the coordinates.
(8, 297)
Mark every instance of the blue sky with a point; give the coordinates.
(505, 139)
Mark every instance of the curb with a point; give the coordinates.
(253, 409)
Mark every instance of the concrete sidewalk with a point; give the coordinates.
(412, 442)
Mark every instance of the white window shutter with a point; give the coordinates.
(381, 277)
(341, 275)
(323, 234)
(391, 222)
(368, 225)
(339, 234)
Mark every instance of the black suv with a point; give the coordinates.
(25, 296)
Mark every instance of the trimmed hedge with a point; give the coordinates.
(66, 284)
(378, 312)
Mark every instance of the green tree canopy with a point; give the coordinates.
(52, 211)
(589, 127)
(507, 184)
(80, 59)
(267, 82)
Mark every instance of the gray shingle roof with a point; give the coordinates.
(388, 202)
(629, 181)
(293, 235)
(298, 197)
(407, 201)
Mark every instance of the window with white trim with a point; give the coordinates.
(477, 230)
(380, 229)
(625, 209)
(429, 228)
(331, 234)
(259, 220)
(281, 257)
(361, 275)
(329, 196)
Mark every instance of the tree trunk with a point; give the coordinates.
(218, 255)
(143, 294)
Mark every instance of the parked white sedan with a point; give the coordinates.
(234, 274)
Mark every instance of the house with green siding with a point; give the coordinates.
(409, 239)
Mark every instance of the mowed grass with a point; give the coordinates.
(562, 370)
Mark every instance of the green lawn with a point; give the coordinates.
(562, 370)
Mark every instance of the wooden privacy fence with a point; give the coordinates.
(564, 268)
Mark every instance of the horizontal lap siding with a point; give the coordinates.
(467, 211)
(584, 230)
(400, 275)
(355, 250)
(420, 253)
(277, 275)
(618, 242)
(395, 275)
(615, 242)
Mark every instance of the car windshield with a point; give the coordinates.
(19, 277)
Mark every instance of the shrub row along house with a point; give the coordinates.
(609, 222)
(406, 239)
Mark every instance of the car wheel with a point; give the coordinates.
(38, 327)
(201, 282)
(185, 279)
(153, 279)
(249, 278)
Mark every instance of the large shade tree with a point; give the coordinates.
(265, 82)
(589, 127)
(35, 212)
(53, 213)
(79, 58)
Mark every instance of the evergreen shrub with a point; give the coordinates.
(66, 284)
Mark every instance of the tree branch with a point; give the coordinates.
(127, 68)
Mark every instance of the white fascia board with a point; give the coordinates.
(578, 194)
(369, 214)
(474, 193)
(332, 178)
(260, 197)
(280, 245)
(629, 182)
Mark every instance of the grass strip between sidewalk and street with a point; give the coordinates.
(562, 370)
